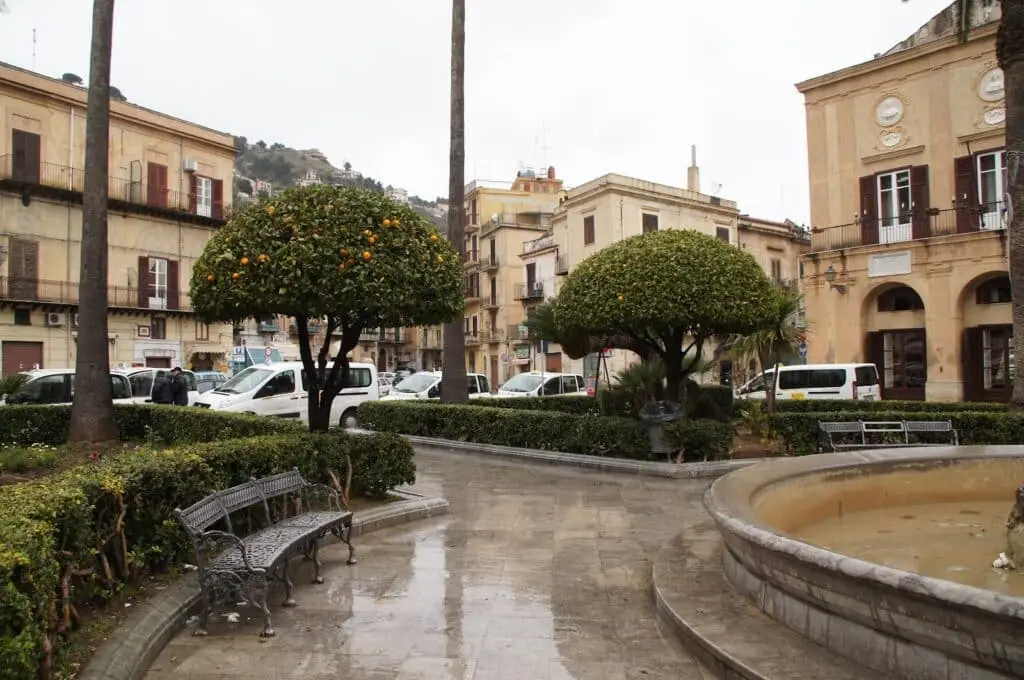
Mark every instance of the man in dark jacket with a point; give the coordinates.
(179, 388)
(162, 392)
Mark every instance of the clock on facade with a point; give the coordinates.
(889, 111)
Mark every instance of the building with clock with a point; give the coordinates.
(907, 267)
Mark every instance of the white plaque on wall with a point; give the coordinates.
(889, 264)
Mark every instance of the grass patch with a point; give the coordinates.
(26, 462)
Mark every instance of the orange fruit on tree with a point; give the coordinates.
(367, 255)
(387, 222)
(621, 298)
(341, 266)
(433, 237)
(235, 276)
(264, 257)
(368, 233)
(394, 223)
(344, 252)
(271, 210)
(210, 277)
(440, 259)
(372, 240)
(245, 261)
(351, 261)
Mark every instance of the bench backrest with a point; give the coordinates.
(845, 426)
(280, 484)
(202, 514)
(218, 506)
(895, 426)
(929, 425)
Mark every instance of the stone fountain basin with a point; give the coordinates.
(892, 621)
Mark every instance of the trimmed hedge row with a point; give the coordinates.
(89, 529)
(893, 406)
(615, 402)
(799, 431)
(551, 430)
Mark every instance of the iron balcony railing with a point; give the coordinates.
(121, 190)
(470, 257)
(517, 333)
(489, 302)
(529, 291)
(65, 293)
(911, 226)
(545, 241)
(472, 339)
(371, 335)
(395, 336)
(488, 263)
(472, 292)
(495, 335)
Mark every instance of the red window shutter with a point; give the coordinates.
(972, 365)
(193, 182)
(172, 284)
(869, 209)
(218, 199)
(966, 201)
(145, 282)
(920, 202)
(156, 191)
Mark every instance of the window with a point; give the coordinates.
(650, 223)
(158, 276)
(119, 387)
(282, 383)
(472, 362)
(437, 337)
(992, 189)
(903, 362)
(831, 378)
(465, 326)
(569, 384)
(994, 291)
(202, 331)
(156, 188)
(142, 383)
(158, 328)
(485, 384)
(866, 376)
(26, 157)
(894, 207)
(48, 389)
(776, 271)
(722, 233)
(531, 277)
(22, 317)
(900, 299)
(472, 384)
(552, 387)
(588, 230)
(476, 326)
(997, 358)
(204, 196)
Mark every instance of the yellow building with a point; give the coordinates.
(908, 265)
(167, 195)
(500, 219)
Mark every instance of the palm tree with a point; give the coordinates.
(779, 335)
(455, 387)
(92, 414)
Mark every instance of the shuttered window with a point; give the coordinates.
(650, 223)
(25, 156)
(588, 230)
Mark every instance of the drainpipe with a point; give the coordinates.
(70, 339)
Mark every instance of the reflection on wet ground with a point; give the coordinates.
(539, 573)
(952, 541)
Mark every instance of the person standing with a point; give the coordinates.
(179, 388)
(162, 390)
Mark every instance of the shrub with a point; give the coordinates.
(581, 405)
(111, 521)
(702, 439)
(894, 405)
(799, 431)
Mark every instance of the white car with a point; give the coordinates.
(384, 383)
(427, 385)
(57, 386)
(142, 380)
(817, 381)
(280, 390)
(538, 384)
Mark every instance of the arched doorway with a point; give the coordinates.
(987, 357)
(896, 341)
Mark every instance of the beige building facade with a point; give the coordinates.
(907, 267)
(166, 198)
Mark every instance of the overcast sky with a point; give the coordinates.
(588, 86)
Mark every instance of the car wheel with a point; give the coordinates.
(349, 419)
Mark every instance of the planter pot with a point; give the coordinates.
(654, 416)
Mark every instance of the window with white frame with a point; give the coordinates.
(992, 189)
(894, 207)
(158, 282)
(997, 357)
(204, 196)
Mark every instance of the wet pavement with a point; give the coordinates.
(540, 573)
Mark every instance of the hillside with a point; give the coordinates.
(283, 167)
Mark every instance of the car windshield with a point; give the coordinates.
(416, 383)
(522, 383)
(247, 380)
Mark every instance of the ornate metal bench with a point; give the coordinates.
(867, 433)
(241, 567)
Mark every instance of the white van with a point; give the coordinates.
(280, 390)
(142, 380)
(538, 384)
(818, 381)
(57, 386)
(427, 385)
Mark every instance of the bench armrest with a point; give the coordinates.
(331, 495)
(216, 539)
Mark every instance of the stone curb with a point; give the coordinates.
(710, 469)
(131, 648)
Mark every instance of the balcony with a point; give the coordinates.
(472, 293)
(312, 327)
(538, 245)
(268, 326)
(911, 226)
(531, 290)
(470, 258)
(517, 333)
(430, 341)
(58, 295)
(395, 336)
(470, 223)
(489, 302)
(472, 339)
(125, 195)
(369, 335)
(494, 336)
(562, 265)
(489, 263)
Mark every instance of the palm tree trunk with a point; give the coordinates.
(92, 414)
(1010, 52)
(454, 388)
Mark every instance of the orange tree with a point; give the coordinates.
(352, 258)
(667, 292)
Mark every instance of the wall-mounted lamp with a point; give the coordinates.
(830, 276)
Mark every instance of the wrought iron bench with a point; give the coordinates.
(883, 434)
(242, 567)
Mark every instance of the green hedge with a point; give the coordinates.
(550, 430)
(799, 431)
(608, 402)
(885, 405)
(68, 523)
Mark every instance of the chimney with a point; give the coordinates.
(693, 172)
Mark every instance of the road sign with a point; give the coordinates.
(802, 348)
(268, 352)
(504, 357)
(238, 351)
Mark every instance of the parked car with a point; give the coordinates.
(57, 386)
(208, 380)
(538, 384)
(384, 384)
(142, 380)
(281, 390)
(427, 385)
(817, 381)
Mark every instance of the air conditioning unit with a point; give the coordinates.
(74, 320)
(538, 287)
(189, 165)
(55, 319)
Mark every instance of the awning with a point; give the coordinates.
(193, 348)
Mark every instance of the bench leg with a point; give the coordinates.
(289, 600)
(314, 554)
(345, 534)
(258, 588)
(204, 615)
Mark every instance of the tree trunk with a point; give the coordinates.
(92, 413)
(319, 410)
(674, 375)
(1010, 52)
(767, 360)
(455, 387)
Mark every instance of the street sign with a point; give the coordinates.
(802, 348)
(238, 351)
(504, 357)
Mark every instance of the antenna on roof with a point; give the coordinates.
(33, 49)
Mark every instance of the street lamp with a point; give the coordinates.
(830, 276)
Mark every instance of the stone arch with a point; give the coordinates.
(986, 349)
(895, 340)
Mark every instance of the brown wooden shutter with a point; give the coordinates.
(971, 364)
(157, 189)
(145, 282)
(869, 209)
(172, 284)
(920, 202)
(966, 199)
(23, 270)
(874, 351)
(218, 199)
(26, 152)
(193, 188)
